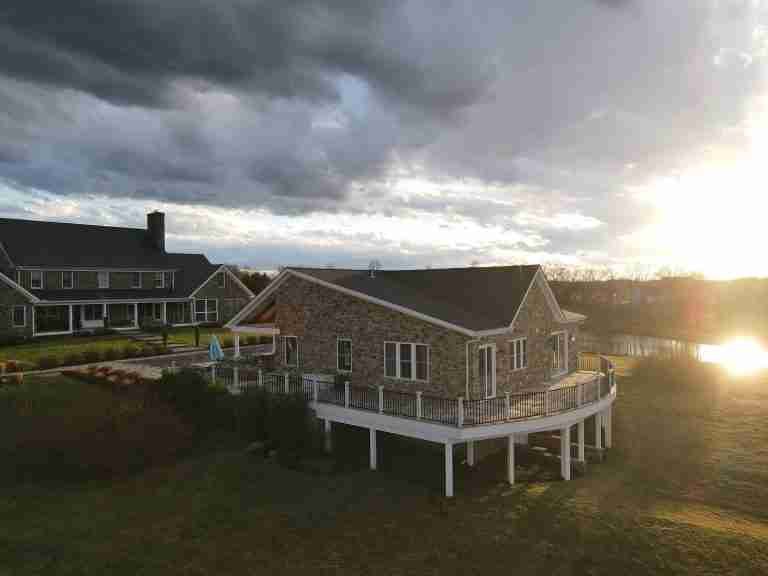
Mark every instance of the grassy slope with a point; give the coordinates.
(683, 492)
(62, 346)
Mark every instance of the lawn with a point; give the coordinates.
(62, 346)
(683, 491)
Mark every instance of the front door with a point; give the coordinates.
(559, 354)
(486, 363)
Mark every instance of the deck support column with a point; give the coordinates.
(237, 345)
(565, 452)
(511, 459)
(598, 431)
(470, 452)
(582, 450)
(448, 470)
(327, 436)
(609, 427)
(373, 448)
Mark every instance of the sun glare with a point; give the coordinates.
(740, 357)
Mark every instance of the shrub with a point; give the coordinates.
(11, 366)
(47, 362)
(226, 342)
(111, 354)
(130, 351)
(288, 425)
(72, 359)
(203, 406)
(91, 355)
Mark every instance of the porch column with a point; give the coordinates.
(511, 459)
(609, 427)
(135, 315)
(237, 345)
(327, 436)
(71, 320)
(372, 435)
(470, 452)
(598, 431)
(581, 441)
(104, 314)
(165, 321)
(448, 470)
(565, 452)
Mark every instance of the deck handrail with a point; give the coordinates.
(457, 412)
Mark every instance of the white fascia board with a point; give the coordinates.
(19, 288)
(263, 295)
(224, 268)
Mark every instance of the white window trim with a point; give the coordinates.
(134, 285)
(71, 275)
(160, 275)
(285, 351)
(13, 317)
(99, 276)
(413, 345)
(339, 368)
(221, 280)
(513, 355)
(206, 313)
(32, 282)
(494, 389)
(564, 369)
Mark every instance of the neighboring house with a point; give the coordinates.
(58, 278)
(473, 337)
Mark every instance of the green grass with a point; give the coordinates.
(62, 346)
(682, 492)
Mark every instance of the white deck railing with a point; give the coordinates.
(457, 412)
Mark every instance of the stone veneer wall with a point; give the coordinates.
(537, 323)
(318, 316)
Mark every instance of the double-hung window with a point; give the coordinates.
(19, 316)
(291, 351)
(207, 310)
(36, 279)
(344, 355)
(135, 279)
(103, 279)
(518, 353)
(406, 361)
(221, 280)
(159, 280)
(67, 279)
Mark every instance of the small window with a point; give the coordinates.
(103, 278)
(291, 351)
(159, 280)
(390, 360)
(422, 362)
(36, 279)
(344, 355)
(157, 308)
(67, 279)
(406, 362)
(135, 279)
(19, 316)
(519, 354)
(207, 310)
(221, 280)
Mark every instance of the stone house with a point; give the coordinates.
(59, 278)
(472, 332)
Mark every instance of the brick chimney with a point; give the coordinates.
(156, 229)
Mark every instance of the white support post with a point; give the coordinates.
(346, 394)
(507, 407)
(286, 383)
(579, 394)
(327, 436)
(418, 405)
(135, 315)
(448, 470)
(609, 427)
(237, 345)
(71, 320)
(582, 450)
(260, 379)
(103, 314)
(511, 459)
(165, 316)
(315, 391)
(598, 431)
(381, 399)
(373, 448)
(461, 411)
(236, 378)
(565, 452)
(470, 452)
(546, 402)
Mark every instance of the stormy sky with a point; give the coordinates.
(596, 132)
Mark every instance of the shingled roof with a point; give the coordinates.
(31, 243)
(477, 298)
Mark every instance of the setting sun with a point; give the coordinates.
(740, 357)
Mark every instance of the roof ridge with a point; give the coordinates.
(55, 222)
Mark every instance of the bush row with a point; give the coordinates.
(91, 355)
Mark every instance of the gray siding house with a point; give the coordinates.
(58, 278)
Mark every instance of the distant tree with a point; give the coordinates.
(256, 281)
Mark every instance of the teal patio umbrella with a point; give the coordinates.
(215, 353)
